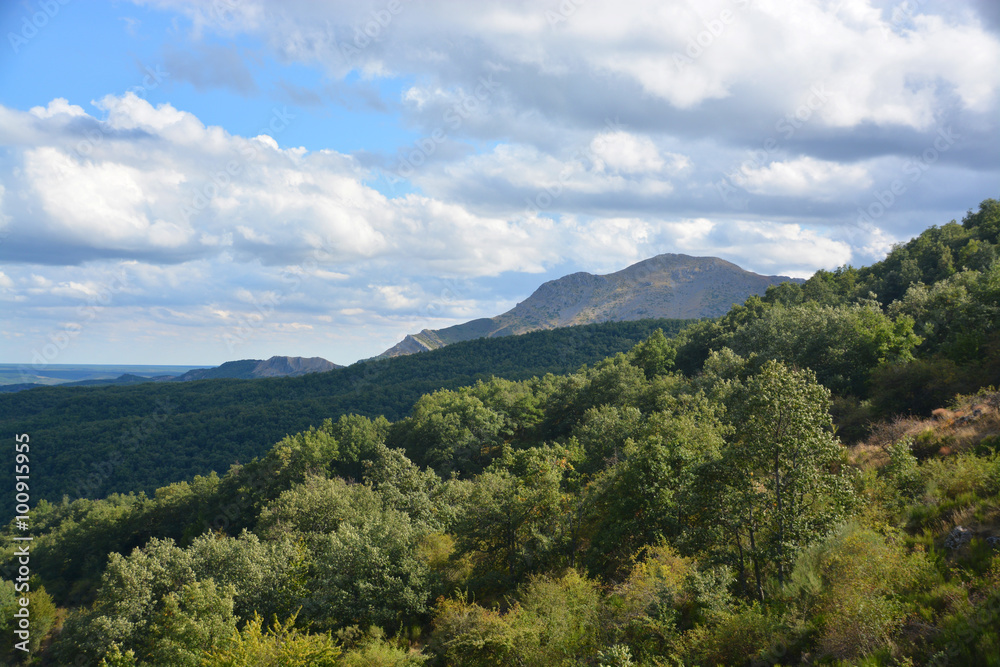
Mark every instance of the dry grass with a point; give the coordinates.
(960, 428)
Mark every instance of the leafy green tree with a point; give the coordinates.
(132, 593)
(603, 432)
(655, 355)
(405, 487)
(842, 344)
(42, 618)
(642, 500)
(197, 617)
(511, 521)
(369, 573)
(452, 431)
(780, 479)
(266, 577)
(358, 438)
(317, 507)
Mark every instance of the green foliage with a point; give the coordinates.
(369, 573)
(555, 623)
(655, 355)
(141, 437)
(661, 462)
(41, 617)
(779, 483)
(698, 480)
(281, 645)
(198, 616)
(858, 583)
(746, 632)
(510, 525)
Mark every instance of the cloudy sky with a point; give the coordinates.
(194, 181)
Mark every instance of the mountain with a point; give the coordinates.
(666, 286)
(249, 369)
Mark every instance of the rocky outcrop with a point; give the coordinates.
(665, 286)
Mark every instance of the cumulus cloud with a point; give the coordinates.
(881, 70)
(186, 190)
(804, 177)
(581, 135)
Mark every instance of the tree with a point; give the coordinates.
(511, 518)
(780, 478)
(639, 501)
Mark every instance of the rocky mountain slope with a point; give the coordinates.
(248, 369)
(669, 285)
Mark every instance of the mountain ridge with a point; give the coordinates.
(249, 369)
(669, 285)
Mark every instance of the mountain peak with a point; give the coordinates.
(665, 286)
(277, 366)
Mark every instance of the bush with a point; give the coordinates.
(281, 645)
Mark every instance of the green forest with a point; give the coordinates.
(813, 478)
(94, 441)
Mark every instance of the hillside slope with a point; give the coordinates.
(250, 369)
(96, 440)
(665, 286)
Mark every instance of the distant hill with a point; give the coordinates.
(251, 369)
(103, 439)
(666, 286)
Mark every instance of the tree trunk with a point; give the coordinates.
(755, 557)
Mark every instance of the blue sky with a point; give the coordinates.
(189, 182)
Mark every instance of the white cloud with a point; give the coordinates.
(685, 54)
(804, 177)
(190, 190)
(60, 105)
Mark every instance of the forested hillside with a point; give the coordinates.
(97, 440)
(688, 502)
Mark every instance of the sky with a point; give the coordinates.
(197, 181)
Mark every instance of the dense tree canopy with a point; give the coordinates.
(686, 501)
